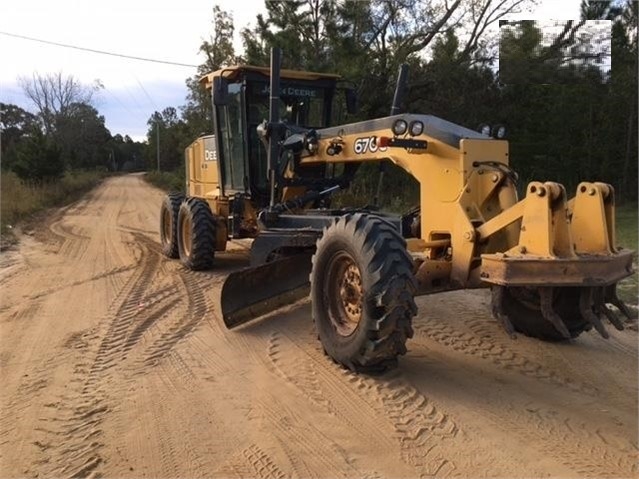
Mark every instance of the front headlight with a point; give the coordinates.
(416, 128)
(484, 129)
(499, 132)
(400, 127)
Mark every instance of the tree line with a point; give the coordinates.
(568, 100)
(66, 132)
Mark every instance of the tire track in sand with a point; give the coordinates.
(72, 245)
(194, 313)
(319, 451)
(577, 447)
(143, 309)
(478, 343)
(77, 450)
(574, 444)
(262, 465)
(104, 274)
(251, 462)
(420, 427)
(297, 369)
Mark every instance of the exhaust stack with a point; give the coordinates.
(274, 119)
(400, 89)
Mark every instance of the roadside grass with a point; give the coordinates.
(627, 222)
(20, 199)
(166, 180)
(627, 237)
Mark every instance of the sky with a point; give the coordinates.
(162, 30)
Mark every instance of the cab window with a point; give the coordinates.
(299, 104)
(232, 140)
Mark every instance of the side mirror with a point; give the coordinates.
(351, 101)
(220, 91)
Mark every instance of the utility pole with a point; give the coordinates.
(157, 142)
(1, 113)
(1, 131)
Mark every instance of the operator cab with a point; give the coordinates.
(241, 103)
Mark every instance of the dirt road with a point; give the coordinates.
(115, 363)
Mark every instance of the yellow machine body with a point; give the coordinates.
(545, 256)
(475, 231)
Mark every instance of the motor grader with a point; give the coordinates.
(268, 172)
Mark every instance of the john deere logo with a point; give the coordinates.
(292, 91)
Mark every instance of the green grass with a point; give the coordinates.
(166, 180)
(19, 199)
(627, 236)
(399, 192)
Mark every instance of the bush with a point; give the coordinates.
(21, 198)
(167, 180)
(38, 159)
(627, 237)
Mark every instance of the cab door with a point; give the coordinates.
(232, 141)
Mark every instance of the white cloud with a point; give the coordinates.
(170, 31)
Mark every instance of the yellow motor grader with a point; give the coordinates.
(275, 159)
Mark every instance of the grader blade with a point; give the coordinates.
(253, 292)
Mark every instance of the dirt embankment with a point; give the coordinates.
(115, 363)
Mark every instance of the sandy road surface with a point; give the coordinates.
(115, 363)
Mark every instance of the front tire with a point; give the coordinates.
(523, 307)
(196, 234)
(362, 289)
(169, 224)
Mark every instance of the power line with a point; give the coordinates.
(146, 93)
(133, 97)
(102, 52)
(119, 101)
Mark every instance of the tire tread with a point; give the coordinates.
(202, 236)
(172, 202)
(390, 298)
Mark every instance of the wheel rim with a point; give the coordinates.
(186, 236)
(167, 230)
(343, 286)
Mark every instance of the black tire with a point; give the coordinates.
(196, 234)
(168, 224)
(523, 308)
(381, 300)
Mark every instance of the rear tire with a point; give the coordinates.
(362, 289)
(523, 308)
(196, 234)
(168, 224)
